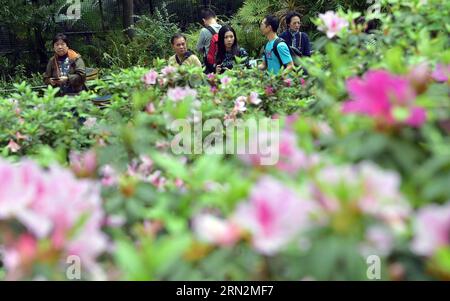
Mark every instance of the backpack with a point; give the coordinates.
(210, 57)
(295, 53)
(213, 46)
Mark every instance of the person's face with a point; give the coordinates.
(295, 24)
(179, 46)
(263, 27)
(60, 48)
(229, 39)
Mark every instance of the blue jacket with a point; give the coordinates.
(305, 46)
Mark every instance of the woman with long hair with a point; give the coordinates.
(228, 49)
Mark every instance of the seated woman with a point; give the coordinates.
(294, 37)
(66, 68)
(182, 55)
(227, 49)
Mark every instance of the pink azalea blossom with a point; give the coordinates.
(214, 89)
(211, 76)
(150, 108)
(381, 95)
(254, 98)
(287, 82)
(50, 203)
(361, 184)
(150, 77)
(274, 216)
(269, 90)
(292, 158)
(332, 24)
(179, 183)
(179, 93)
(379, 241)
(19, 136)
(211, 229)
(166, 71)
(157, 180)
(109, 176)
(162, 81)
(239, 104)
(83, 165)
(441, 73)
(13, 146)
(431, 229)
(225, 81)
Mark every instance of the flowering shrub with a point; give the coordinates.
(363, 166)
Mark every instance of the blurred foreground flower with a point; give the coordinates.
(53, 206)
(387, 98)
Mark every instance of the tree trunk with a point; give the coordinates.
(128, 10)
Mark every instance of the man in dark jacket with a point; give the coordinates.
(66, 68)
(294, 37)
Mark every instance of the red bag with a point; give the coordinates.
(211, 57)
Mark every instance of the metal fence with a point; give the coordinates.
(95, 16)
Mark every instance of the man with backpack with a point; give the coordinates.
(206, 35)
(276, 52)
(294, 37)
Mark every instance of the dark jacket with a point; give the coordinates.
(305, 47)
(77, 72)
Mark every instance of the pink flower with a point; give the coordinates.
(225, 81)
(179, 183)
(379, 241)
(254, 98)
(157, 180)
(19, 136)
(24, 250)
(441, 73)
(50, 203)
(269, 90)
(432, 229)
(211, 76)
(239, 104)
(83, 165)
(150, 77)
(115, 221)
(419, 76)
(383, 96)
(162, 82)
(332, 24)
(166, 71)
(292, 159)
(361, 184)
(302, 82)
(274, 215)
(214, 89)
(109, 176)
(150, 108)
(211, 229)
(13, 146)
(178, 93)
(90, 122)
(287, 82)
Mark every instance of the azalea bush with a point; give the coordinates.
(362, 169)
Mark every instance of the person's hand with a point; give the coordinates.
(53, 82)
(63, 80)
